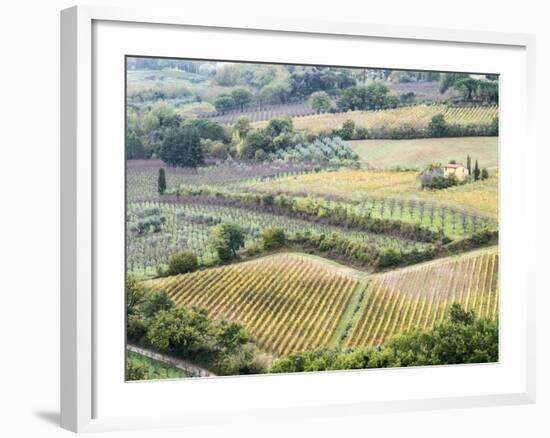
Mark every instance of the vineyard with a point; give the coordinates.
(141, 175)
(290, 302)
(187, 226)
(419, 296)
(257, 114)
(395, 194)
(289, 241)
(174, 224)
(379, 122)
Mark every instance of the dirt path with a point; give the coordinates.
(193, 370)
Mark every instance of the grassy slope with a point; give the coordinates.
(352, 312)
(384, 154)
(156, 369)
(480, 196)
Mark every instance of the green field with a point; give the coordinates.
(418, 153)
(154, 369)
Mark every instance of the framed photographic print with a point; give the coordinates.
(280, 219)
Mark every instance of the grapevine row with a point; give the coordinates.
(419, 296)
(288, 301)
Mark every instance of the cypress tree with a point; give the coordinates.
(162, 181)
(196, 151)
(469, 165)
(476, 171)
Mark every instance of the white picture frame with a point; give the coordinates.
(92, 392)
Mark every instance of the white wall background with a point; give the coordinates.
(29, 215)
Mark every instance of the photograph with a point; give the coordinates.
(287, 218)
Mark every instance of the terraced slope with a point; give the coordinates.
(419, 296)
(290, 302)
(382, 121)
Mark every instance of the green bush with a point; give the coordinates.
(224, 347)
(273, 238)
(347, 131)
(389, 257)
(215, 149)
(182, 262)
(135, 370)
(226, 240)
(260, 155)
(438, 126)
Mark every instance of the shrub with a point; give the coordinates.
(361, 133)
(260, 155)
(215, 149)
(257, 139)
(207, 129)
(226, 240)
(135, 370)
(348, 128)
(389, 257)
(136, 327)
(273, 237)
(182, 262)
(145, 224)
(155, 302)
(225, 347)
(438, 126)
(320, 101)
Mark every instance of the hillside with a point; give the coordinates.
(419, 296)
(418, 153)
(372, 186)
(381, 122)
(290, 302)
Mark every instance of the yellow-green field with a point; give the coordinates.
(418, 153)
(290, 302)
(417, 116)
(419, 296)
(480, 196)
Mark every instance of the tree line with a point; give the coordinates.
(224, 347)
(459, 339)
